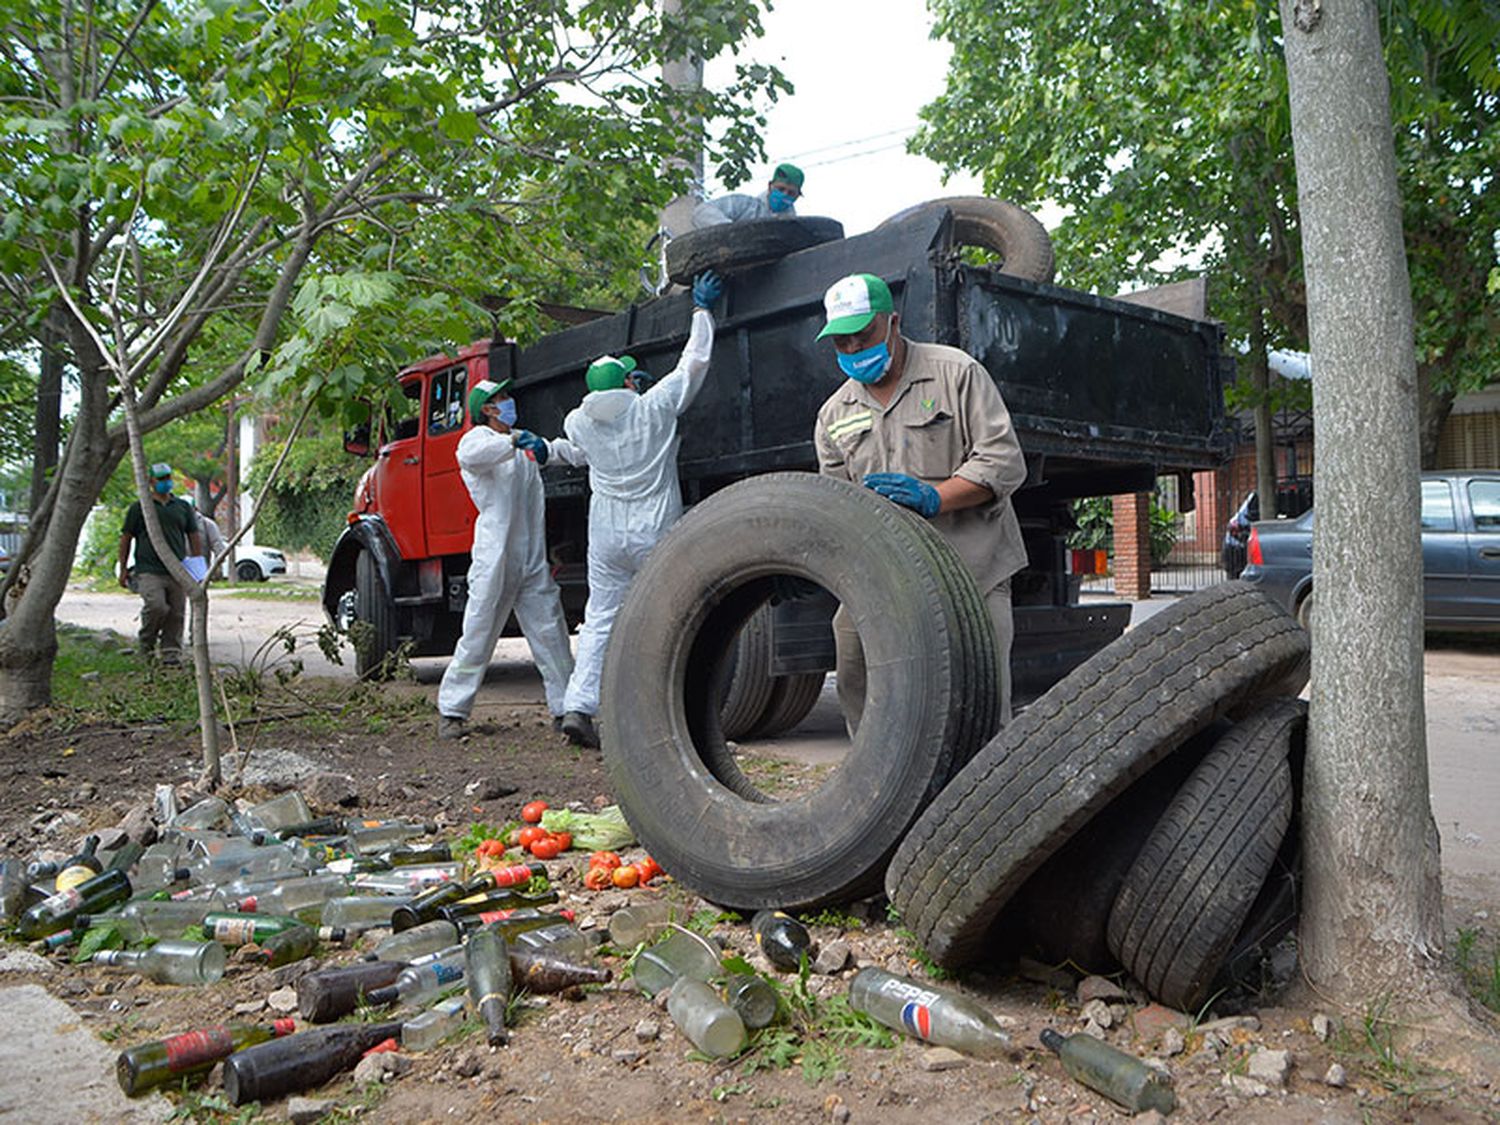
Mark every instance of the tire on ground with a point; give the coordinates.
(1078, 746)
(733, 246)
(373, 607)
(931, 701)
(1015, 234)
(749, 692)
(792, 697)
(1192, 886)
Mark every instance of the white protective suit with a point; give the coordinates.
(508, 572)
(737, 208)
(629, 442)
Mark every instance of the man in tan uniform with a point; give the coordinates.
(925, 426)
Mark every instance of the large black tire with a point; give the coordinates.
(373, 607)
(1192, 886)
(733, 246)
(750, 688)
(1021, 241)
(792, 697)
(1077, 747)
(931, 703)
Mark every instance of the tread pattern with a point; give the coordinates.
(792, 697)
(749, 694)
(1190, 889)
(1077, 747)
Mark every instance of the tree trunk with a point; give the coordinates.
(1434, 407)
(1265, 436)
(1372, 921)
(48, 410)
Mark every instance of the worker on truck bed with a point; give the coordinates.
(778, 200)
(924, 426)
(508, 570)
(628, 439)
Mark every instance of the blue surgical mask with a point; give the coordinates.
(163, 486)
(779, 200)
(868, 365)
(507, 411)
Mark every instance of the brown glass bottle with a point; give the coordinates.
(329, 994)
(285, 1066)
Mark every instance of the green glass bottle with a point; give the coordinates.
(487, 970)
(93, 896)
(287, 946)
(228, 928)
(1121, 1078)
(148, 1065)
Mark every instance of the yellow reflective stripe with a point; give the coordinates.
(853, 422)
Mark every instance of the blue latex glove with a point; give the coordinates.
(707, 288)
(534, 445)
(907, 491)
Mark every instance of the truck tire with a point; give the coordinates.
(373, 607)
(1022, 242)
(1077, 747)
(1191, 888)
(792, 697)
(750, 684)
(734, 246)
(932, 700)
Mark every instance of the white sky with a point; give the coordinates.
(862, 71)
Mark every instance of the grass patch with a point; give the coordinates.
(1477, 958)
(781, 777)
(263, 592)
(809, 1033)
(94, 680)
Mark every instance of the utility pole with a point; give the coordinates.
(684, 73)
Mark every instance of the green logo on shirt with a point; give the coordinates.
(928, 403)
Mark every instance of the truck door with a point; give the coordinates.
(398, 474)
(1483, 599)
(449, 511)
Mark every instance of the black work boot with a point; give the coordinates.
(580, 730)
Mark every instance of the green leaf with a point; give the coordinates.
(106, 935)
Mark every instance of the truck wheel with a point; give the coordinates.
(735, 246)
(750, 683)
(792, 697)
(1078, 746)
(374, 608)
(1191, 888)
(993, 224)
(931, 701)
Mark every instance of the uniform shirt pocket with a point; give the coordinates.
(931, 446)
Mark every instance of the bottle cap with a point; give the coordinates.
(283, 1027)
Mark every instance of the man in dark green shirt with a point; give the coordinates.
(163, 602)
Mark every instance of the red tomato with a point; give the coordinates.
(564, 840)
(545, 848)
(598, 879)
(625, 875)
(531, 834)
(532, 811)
(607, 860)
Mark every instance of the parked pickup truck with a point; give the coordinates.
(1105, 396)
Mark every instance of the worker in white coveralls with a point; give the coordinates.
(627, 436)
(779, 200)
(508, 570)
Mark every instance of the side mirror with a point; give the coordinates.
(357, 440)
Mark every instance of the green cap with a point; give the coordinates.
(608, 373)
(852, 302)
(160, 469)
(483, 391)
(788, 174)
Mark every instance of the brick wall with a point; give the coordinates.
(1132, 512)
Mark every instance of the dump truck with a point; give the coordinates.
(1106, 395)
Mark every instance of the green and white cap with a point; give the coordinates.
(607, 373)
(160, 469)
(852, 302)
(483, 391)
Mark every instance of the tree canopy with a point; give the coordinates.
(1163, 127)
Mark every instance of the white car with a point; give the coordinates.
(256, 564)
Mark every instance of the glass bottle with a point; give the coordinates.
(494, 901)
(160, 867)
(211, 812)
(561, 940)
(641, 921)
(419, 984)
(487, 969)
(679, 953)
(426, 938)
(126, 856)
(425, 906)
(82, 867)
(289, 945)
(1121, 1078)
(292, 895)
(12, 888)
(242, 929)
(434, 1025)
(319, 826)
(149, 918)
(415, 857)
(325, 995)
(381, 837)
(307, 1059)
(281, 811)
(932, 1014)
(171, 961)
(147, 1065)
(783, 939)
(540, 973)
(705, 1020)
(361, 911)
(752, 997)
(405, 880)
(57, 912)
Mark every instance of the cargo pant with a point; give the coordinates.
(851, 657)
(163, 608)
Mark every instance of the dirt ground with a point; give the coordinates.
(613, 1056)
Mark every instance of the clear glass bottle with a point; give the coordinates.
(361, 911)
(210, 813)
(171, 961)
(12, 888)
(382, 837)
(149, 918)
(1121, 1078)
(405, 880)
(561, 940)
(289, 896)
(434, 1025)
(641, 921)
(680, 953)
(936, 1015)
(281, 811)
(429, 937)
(752, 997)
(420, 984)
(704, 1019)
